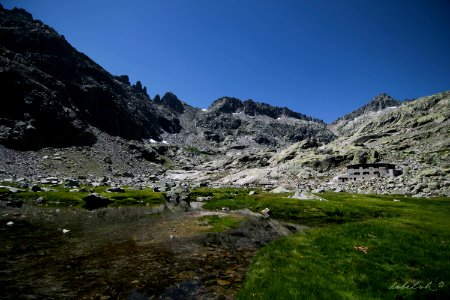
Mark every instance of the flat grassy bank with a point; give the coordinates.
(63, 197)
(361, 247)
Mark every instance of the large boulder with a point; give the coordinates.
(95, 201)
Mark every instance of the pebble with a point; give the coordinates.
(223, 282)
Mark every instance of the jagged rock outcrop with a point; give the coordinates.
(376, 105)
(249, 107)
(53, 94)
(231, 125)
(171, 101)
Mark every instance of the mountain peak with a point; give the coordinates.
(383, 98)
(377, 103)
(170, 100)
(250, 107)
(226, 105)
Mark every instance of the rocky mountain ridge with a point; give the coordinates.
(55, 94)
(414, 136)
(81, 122)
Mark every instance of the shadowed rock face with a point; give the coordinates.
(52, 94)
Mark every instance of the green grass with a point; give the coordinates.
(63, 198)
(221, 223)
(407, 242)
(341, 208)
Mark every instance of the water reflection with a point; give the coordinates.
(121, 252)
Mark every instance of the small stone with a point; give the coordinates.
(39, 200)
(265, 212)
(116, 189)
(223, 282)
(10, 223)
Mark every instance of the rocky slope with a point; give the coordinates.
(231, 124)
(415, 136)
(54, 94)
(346, 124)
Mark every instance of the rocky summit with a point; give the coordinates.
(64, 117)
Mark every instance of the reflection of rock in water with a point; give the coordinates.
(95, 201)
(183, 290)
(125, 253)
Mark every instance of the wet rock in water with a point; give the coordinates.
(182, 290)
(95, 201)
(178, 199)
(116, 189)
(15, 203)
(39, 201)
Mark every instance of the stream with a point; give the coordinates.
(125, 253)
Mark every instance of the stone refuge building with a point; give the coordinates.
(365, 171)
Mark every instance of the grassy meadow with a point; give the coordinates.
(359, 247)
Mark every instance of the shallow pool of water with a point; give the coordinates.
(123, 253)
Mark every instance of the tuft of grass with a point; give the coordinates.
(403, 253)
(220, 223)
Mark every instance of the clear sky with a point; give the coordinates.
(320, 58)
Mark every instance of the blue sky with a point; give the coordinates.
(321, 58)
